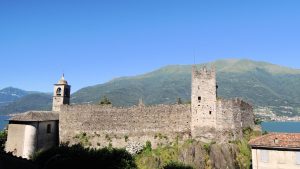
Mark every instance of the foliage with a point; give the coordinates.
(3, 138)
(176, 165)
(161, 156)
(249, 133)
(207, 146)
(257, 121)
(83, 139)
(77, 156)
(156, 158)
(107, 137)
(244, 156)
(105, 101)
(148, 146)
(126, 138)
(160, 136)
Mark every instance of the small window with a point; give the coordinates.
(49, 128)
(298, 158)
(199, 98)
(264, 156)
(209, 112)
(58, 91)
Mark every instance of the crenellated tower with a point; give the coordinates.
(203, 103)
(61, 94)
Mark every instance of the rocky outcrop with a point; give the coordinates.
(223, 156)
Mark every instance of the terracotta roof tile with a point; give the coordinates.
(277, 140)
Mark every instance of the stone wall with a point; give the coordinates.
(233, 115)
(96, 125)
(203, 98)
(103, 125)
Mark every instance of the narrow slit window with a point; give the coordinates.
(209, 112)
(49, 128)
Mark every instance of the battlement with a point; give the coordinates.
(204, 72)
(236, 102)
(205, 119)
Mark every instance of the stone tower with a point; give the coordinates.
(203, 103)
(61, 94)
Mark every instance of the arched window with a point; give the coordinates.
(48, 128)
(58, 91)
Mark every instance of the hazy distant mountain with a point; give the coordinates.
(260, 83)
(10, 94)
(36, 101)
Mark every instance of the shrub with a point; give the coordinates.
(175, 165)
(148, 146)
(244, 154)
(3, 138)
(107, 138)
(77, 156)
(83, 139)
(126, 138)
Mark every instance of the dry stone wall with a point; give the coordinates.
(104, 125)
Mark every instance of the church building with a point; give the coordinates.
(37, 130)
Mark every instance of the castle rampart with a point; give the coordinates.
(139, 122)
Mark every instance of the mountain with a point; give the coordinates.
(36, 101)
(10, 94)
(260, 83)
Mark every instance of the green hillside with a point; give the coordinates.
(11, 94)
(260, 83)
(37, 101)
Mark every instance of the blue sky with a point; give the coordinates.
(93, 42)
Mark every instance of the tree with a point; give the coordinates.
(77, 156)
(3, 138)
(105, 101)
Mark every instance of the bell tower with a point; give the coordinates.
(61, 94)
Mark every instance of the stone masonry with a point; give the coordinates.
(207, 118)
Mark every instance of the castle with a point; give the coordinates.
(207, 119)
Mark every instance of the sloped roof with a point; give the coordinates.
(277, 140)
(36, 116)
